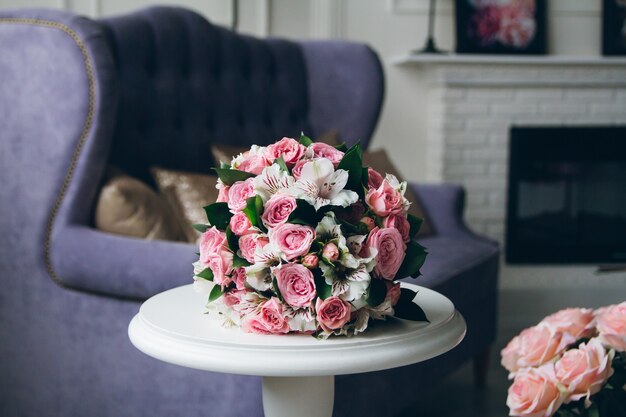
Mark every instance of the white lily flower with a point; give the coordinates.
(349, 249)
(348, 284)
(272, 180)
(258, 277)
(300, 320)
(254, 150)
(320, 185)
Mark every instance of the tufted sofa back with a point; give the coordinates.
(186, 83)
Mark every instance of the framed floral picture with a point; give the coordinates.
(614, 27)
(501, 26)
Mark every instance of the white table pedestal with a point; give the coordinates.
(289, 396)
(297, 370)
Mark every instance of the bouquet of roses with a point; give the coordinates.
(305, 239)
(571, 364)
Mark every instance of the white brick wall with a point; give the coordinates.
(472, 108)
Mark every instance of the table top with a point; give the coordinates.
(172, 327)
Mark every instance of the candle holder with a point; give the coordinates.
(430, 47)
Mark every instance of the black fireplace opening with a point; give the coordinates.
(567, 195)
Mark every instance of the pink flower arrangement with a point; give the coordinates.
(573, 363)
(304, 239)
(508, 22)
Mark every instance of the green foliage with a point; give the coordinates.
(200, 227)
(253, 211)
(305, 140)
(218, 215)
(416, 224)
(376, 292)
(304, 214)
(343, 147)
(238, 261)
(321, 287)
(413, 261)
(281, 163)
(216, 292)
(231, 176)
(206, 274)
(352, 162)
(407, 309)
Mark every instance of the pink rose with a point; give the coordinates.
(288, 148)
(240, 224)
(393, 292)
(233, 298)
(391, 251)
(535, 393)
(576, 321)
(222, 196)
(585, 370)
(330, 252)
(277, 209)
(611, 324)
(253, 164)
(296, 284)
(292, 240)
(374, 178)
(332, 313)
(268, 319)
(211, 242)
(310, 261)
(535, 346)
(400, 222)
(221, 263)
(239, 278)
(297, 169)
(323, 150)
(369, 222)
(248, 244)
(238, 194)
(385, 200)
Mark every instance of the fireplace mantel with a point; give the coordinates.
(476, 59)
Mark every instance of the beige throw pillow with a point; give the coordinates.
(127, 206)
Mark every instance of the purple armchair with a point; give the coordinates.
(156, 87)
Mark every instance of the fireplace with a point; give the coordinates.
(567, 195)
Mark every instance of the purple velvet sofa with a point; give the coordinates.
(155, 88)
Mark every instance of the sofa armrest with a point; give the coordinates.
(97, 262)
(444, 205)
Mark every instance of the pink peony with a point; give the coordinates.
(400, 222)
(611, 324)
(277, 209)
(221, 263)
(330, 252)
(374, 178)
(391, 251)
(238, 194)
(297, 169)
(296, 285)
(268, 319)
(535, 393)
(332, 313)
(222, 196)
(211, 242)
(288, 148)
(535, 346)
(385, 200)
(323, 150)
(310, 261)
(585, 370)
(253, 164)
(576, 321)
(248, 244)
(292, 240)
(240, 224)
(239, 278)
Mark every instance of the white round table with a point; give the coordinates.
(298, 370)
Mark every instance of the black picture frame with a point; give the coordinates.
(614, 27)
(480, 28)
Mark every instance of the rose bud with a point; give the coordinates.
(369, 222)
(310, 261)
(330, 252)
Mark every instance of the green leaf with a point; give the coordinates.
(321, 287)
(216, 293)
(353, 163)
(281, 163)
(413, 261)
(206, 274)
(305, 140)
(218, 215)
(365, 177)
(200, 227)
(253, 211)
(416, 224)
(233, 241)
(377, 292)
(277, 290)
(224, 165)
(407, 309)
(238, 261)
(303, 214)
(343, 147)
(231, 176)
